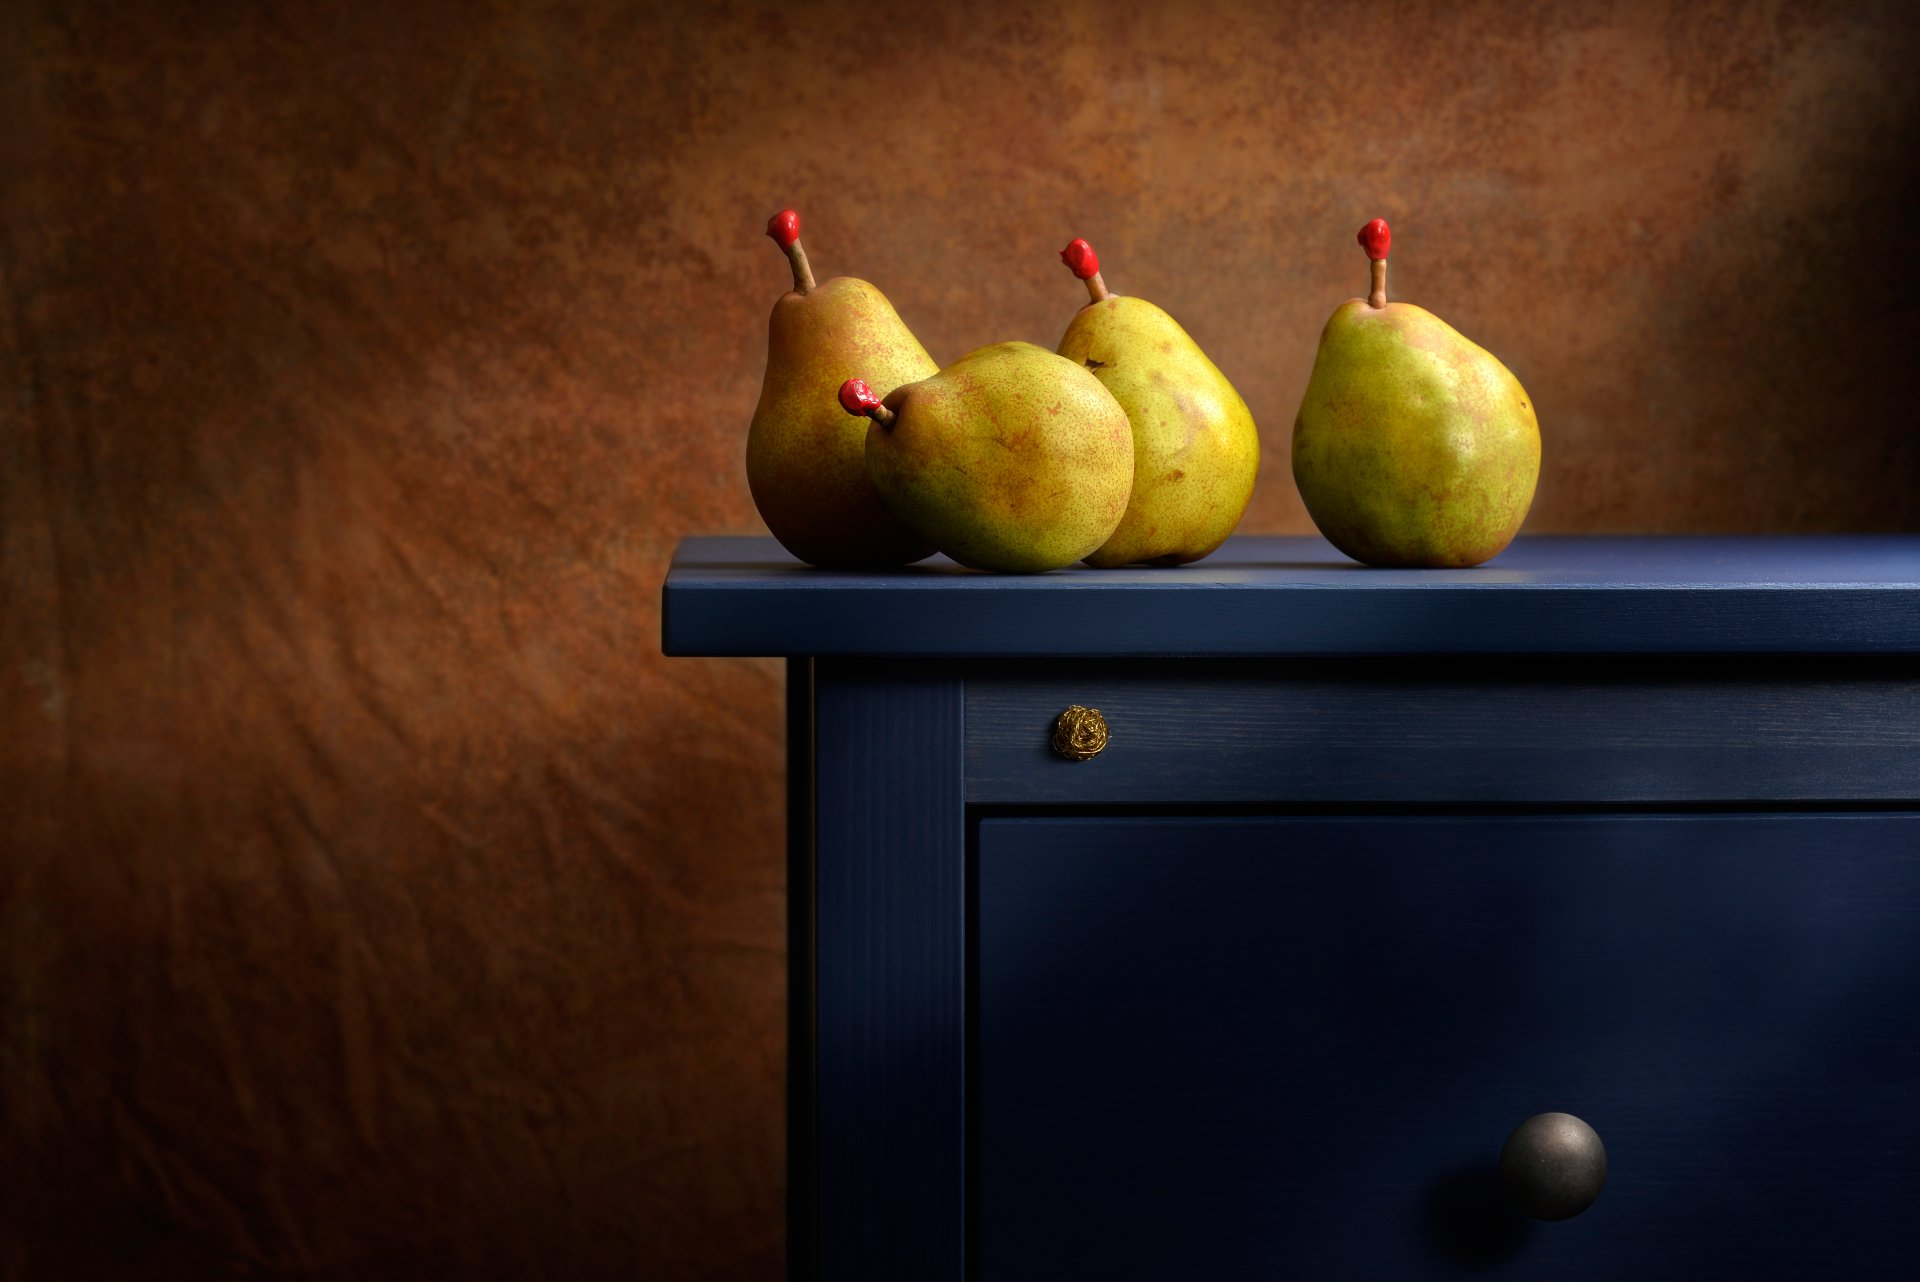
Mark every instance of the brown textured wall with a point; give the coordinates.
(375, 902)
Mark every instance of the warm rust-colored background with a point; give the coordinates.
(375, 901)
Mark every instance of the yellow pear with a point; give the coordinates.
(1414, 446)
(1011, 458)
(1195, 448)
(807, 472)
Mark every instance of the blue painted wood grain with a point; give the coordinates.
(889, 974)
(1297, 596)
(1285, 1047)
(803, 1131)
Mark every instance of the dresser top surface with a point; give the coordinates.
(1296, 595)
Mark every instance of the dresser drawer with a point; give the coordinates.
(1450, 730)
(1252, 1048)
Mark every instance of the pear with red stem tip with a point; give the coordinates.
(807, 471)
(1195, 448)
(1414, 446)
(1011, 458)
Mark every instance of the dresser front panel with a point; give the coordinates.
(1267, 1047)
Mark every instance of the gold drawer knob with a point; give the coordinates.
(1080, 733)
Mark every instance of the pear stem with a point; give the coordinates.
(802, 270)
(883, 416)
(1378, 298)
(1097, 288)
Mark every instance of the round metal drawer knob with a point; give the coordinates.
(1080, 734)
(1553, 1166)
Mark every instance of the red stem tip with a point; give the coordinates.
(1375, 237)
(857, 398)
(784, 227)
(1080, 259)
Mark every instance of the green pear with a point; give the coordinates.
(1195, 448)
(1011, 458)
(1414, 446)
(807, 472)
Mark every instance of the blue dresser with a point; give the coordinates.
(1248, 968)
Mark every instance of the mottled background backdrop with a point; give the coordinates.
(375, 902)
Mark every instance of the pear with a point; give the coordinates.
(807, 472)
(1195, 448)
(1414, 446)
(1011, 458)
